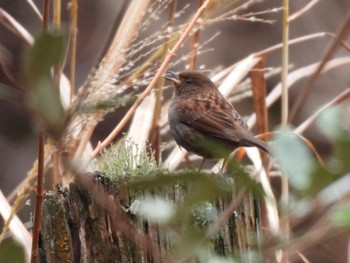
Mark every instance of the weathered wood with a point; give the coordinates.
(79, 225)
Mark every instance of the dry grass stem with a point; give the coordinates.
(302, 11)
(73, 29)
(336, 101)
(16, 226)
(7, 20)
(296, 75)
(35, 9)
(304, 94)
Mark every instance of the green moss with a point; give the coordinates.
(128, 160)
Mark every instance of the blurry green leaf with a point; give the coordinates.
(342, 153)
(321, 177)
(45, 99)
(330, 123)
(207, 188)
(340, 215)
(242, 179)
(203, 186)
(11, 251)
(156, 209)
(294, 158)
(163, 180)
(48, 50)
(190, 244)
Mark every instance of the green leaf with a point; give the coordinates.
(45, 99)
(340, 215)
(48, 50)
(330, 123)
(207, 188)
(342, 153)
(190, 244)
(11, 251)
(321, 177)
(164, 180)
(294, 158)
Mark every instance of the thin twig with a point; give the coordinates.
(304, 94)
(284, 117)
(56, 76)
(302, 10)
(7, 20)
(39, 197)
(285, 61)
(161, 69)
(300, 40)
(73, 28)
(192, 61)
(337, 100)
(35, 9)
(41, 168)
(154, 136)
(46, 10)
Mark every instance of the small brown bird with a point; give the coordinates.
(202, 121)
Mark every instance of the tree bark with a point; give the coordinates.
(82, 224)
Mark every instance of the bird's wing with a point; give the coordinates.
(217, 119)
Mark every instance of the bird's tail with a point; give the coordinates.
(259, 143)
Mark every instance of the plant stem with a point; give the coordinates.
(39, 197)
(193, 45)
(41, 160)
(154, 136)
(285, 58)
(73, 44)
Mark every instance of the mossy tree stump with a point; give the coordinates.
(90, 222)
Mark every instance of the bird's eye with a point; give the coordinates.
(188, 81)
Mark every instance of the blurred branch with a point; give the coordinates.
(337, 100)
(285, 225)
(300, 40)
(284, 64)
(7, 20)
(304, 94)
(35, 9)
(192, 60)
(16, 226)
(39, 193)
(302, 11)
(73, 28)
(295, 76)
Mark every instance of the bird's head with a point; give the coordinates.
(189, 82)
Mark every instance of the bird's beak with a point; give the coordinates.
(172, 76)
